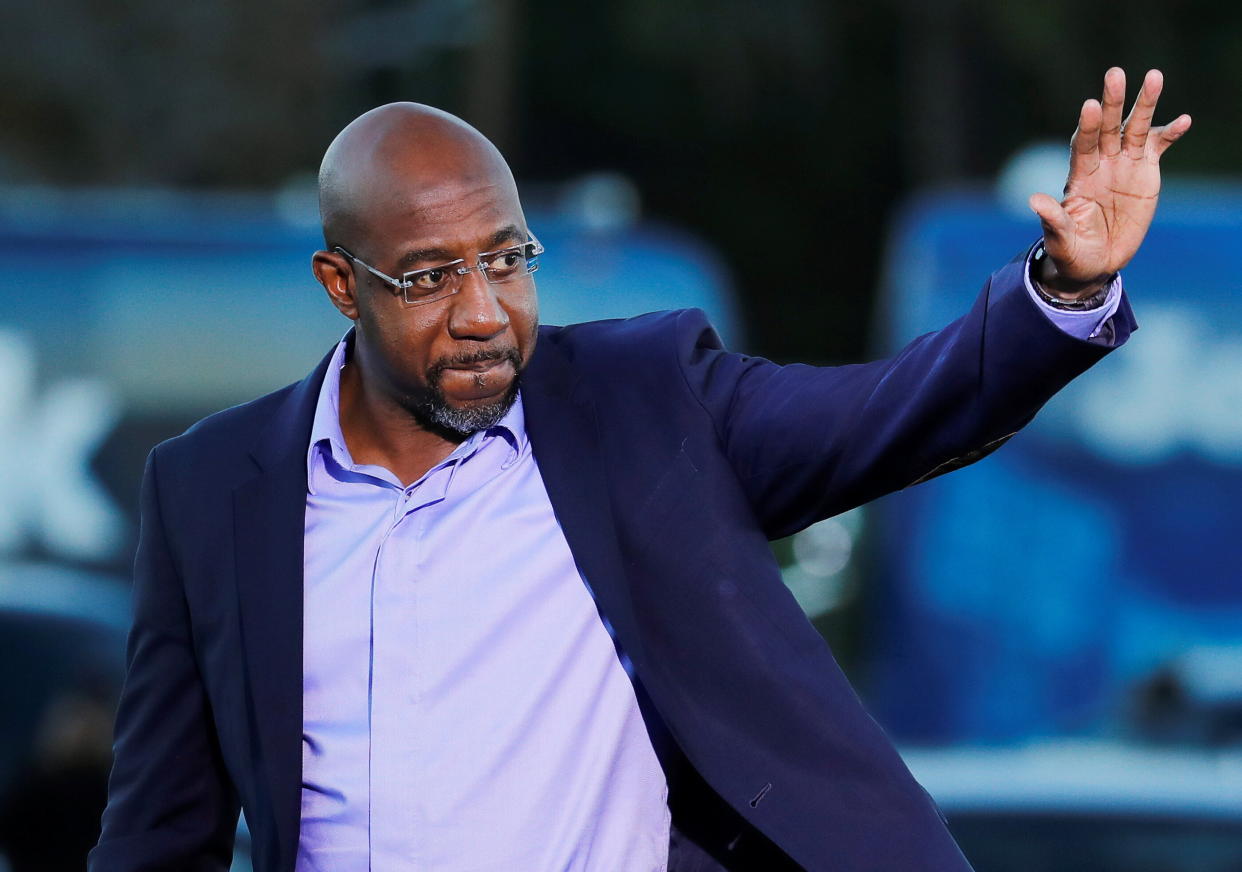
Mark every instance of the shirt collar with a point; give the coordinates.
(326, 426)
(326, 432)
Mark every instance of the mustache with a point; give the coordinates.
(485, 355)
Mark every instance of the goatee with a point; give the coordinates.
(433, 411)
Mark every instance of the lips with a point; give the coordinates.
(481, 366)
(477, 381)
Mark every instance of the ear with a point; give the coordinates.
(334, 272)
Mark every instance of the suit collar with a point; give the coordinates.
(289, 429)
(326, 424)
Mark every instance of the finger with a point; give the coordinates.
(1085, 145)
(1134, 133)
(1114, 98)
(1057, 224)
(1163, 137)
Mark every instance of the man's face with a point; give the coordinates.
(452, 363)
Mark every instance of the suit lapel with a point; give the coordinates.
(563, 427)
(561, 422)
(269, 518)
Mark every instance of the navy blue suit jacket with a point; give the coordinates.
(670, 463)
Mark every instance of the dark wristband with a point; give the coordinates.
(1083, 304)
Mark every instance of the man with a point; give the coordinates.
(481, 595)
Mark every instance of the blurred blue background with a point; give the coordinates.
(1054, 635)
(1035, 593)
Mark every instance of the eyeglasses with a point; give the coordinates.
(437, 282)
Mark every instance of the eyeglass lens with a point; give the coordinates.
(428, 285)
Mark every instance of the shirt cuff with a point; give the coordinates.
(1086, 324)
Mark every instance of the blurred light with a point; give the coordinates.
(1040, 167)
(823, 549)
(1075, 777)
(821, 554)
(1211, 674)
(603, 202)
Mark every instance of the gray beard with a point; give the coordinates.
(432, 410)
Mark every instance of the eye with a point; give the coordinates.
(429, 280)
(506, 263)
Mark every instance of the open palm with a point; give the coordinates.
(1113, 185)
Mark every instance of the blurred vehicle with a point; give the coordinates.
(61, 630)
(1099, 806)
(62, 645)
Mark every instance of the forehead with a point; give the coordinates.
(448, 215)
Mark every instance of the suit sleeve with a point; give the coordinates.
(810, 442)
(170, 805)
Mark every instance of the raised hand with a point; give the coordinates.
(1111, 193)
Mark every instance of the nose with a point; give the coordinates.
(476, 311)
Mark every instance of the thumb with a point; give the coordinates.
(1058, 226)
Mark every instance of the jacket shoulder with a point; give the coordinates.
(656, 337)
(225, 435)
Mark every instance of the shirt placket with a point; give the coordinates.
(396, 682)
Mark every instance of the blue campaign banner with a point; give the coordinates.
(1034, 593)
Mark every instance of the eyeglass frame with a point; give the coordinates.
(454, 267)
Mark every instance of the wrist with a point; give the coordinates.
(1063, 292)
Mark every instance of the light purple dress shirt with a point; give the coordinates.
(464, 707)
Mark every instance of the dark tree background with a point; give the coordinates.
(784, 131)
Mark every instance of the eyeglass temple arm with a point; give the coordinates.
(397, 283)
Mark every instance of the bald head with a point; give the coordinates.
(386, 158)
